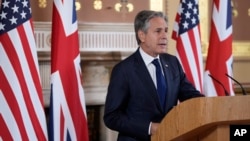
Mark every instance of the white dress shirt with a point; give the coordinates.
(152, 70)
(150, 66)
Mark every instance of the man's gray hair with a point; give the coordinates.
(141, 21)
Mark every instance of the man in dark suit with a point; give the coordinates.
(133, 106)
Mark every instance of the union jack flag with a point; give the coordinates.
(220, 58)
(68, 120)
(22, 114)
(187, 35)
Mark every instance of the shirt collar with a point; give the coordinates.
(146, 58)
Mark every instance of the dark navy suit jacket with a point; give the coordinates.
(132, 101)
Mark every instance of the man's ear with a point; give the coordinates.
(141, 36)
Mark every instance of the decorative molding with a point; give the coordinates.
(93, 37)
(101, 45)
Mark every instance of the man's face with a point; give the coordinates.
(154, 41)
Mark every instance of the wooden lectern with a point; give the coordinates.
(204, 119)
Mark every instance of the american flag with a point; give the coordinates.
(220, 58)
(22, 114)
(68, 120)
(187, 35)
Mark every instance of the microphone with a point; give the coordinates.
(226, 92)
(242, 89)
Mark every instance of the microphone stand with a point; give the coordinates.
(226, 93)
(242, 89)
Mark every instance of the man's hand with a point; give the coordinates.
(154, 127)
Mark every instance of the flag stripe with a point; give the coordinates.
(11, 86)
(80, 91)
(196, 60)
(4, 134)
(190, 61)
(17, 83)
(8, 120)
(33, 79)
(187, 35)
(175, 33)
(21, 91)
(23, 78)
(67, 95)
(219, 58)
(61, 108)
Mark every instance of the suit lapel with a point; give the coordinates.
(142, 71)
(166, 69)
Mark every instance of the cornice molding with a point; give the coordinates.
(119, 27)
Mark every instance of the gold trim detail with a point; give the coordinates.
(42, 3)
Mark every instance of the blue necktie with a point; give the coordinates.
(161, 83)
